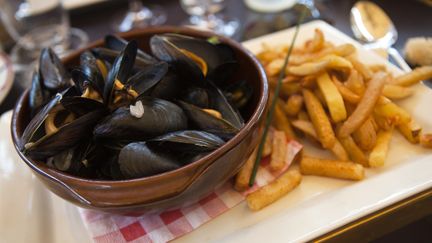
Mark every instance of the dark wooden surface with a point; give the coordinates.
(411, 17)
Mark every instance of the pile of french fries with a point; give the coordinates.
(341, 104)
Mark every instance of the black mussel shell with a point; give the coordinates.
(53, 73)
(168, 88)
(219, 58)
(38, 96)
(91, 71)
(160, 116)
(197, 96)
(121, 69)
(188, 141)
(209, 123)
(139, 160)
(147, 77)
(238, 93)
(117, 43)
(109, 56)
(81, 105)
(66, 137)
(37, 121)
(219, 102)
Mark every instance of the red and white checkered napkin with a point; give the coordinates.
(169, 225)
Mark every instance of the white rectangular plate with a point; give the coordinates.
(32, 213)
(320, 204)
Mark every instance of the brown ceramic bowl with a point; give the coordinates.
(167, 190)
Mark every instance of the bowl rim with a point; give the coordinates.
(230, 144)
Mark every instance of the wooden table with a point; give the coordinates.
(412, 18)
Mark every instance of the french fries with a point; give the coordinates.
(339, 151)
(365, 106)
(360, 67)
(243, 176)
(331, 168)
(281, 122)
(426, 140)
(395, 92)
(279, 150)
(332, 97)
(273, 191)
(293, 105)
(417, 75)
(365, 136)
(319, 119)
(355, 153)
(411, 131)
(379, 152)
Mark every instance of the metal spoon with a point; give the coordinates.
(372, 26)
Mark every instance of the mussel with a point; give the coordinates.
(123, 113)
(138, 160)
(153, 118)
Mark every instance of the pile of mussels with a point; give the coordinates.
(123, 113)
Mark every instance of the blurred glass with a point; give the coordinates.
(36, 24)
(140, 16)
(206, 14)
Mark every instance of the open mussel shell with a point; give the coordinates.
(109, 57)
(216, 61)
(117, 43)
(139, 160)
(159, 117)
(168, 88)
(219, 102)
(65, 137)
(238, 93)
(121, 70)
(81, 105)
(91, 71)
(209, 123)
(53, 73)
(189, 141)
(147, 77)
(38, 96)
(36, 122)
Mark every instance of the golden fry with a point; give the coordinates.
(355, 83)
(354, 152)
(317, 43)
(379, 152)
(415, 76)
(331, 168)
(426, 140)
(306, 127)
(242, 178)
(281, 122)
(303, 115)
(346, 93)
(394, 92)
(411, 131)
(382, 122)
(308, 68)
(273, 191)
(279, 150)
(267, 150)
(377, 68)
(293, 105)
(337, 62)
(332, 97)
(339, 151)
(365, 136)
(365, 106)
(319, 119)
(393, 113)
(274, 67)
(360, 67)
